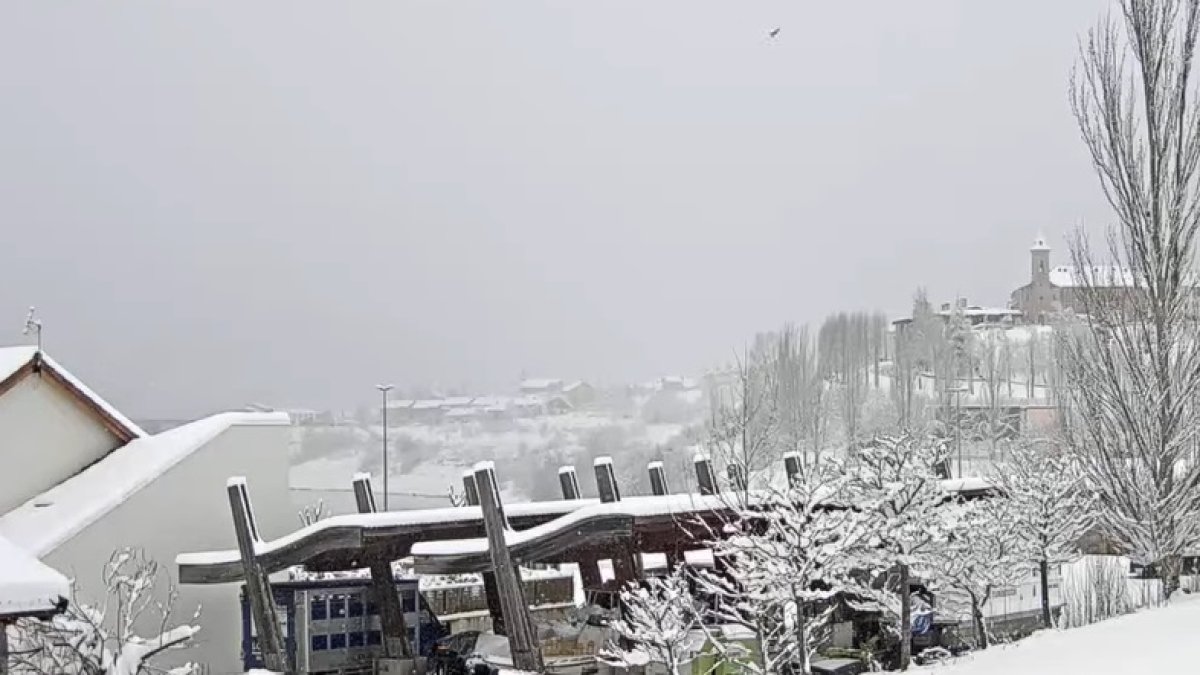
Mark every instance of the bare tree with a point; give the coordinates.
(1050, 508)
(744, 427)
(894, 480)
(786, 559)
(1133, 370)
(984, 552)
(103, 639)
(658, 618)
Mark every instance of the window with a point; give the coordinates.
(337, 606)
(356, 606)
(318, 610)
(374, 638)
(408, 602)
(358, 639)
(337, 641)
(320, 643)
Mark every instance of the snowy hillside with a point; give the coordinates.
(426, 461)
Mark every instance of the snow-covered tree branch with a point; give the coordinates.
(102, 639)
(1049, 508)
(658, 621)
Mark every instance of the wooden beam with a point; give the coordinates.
(258, 586)
(606, 480)
(396, 641)
(705, 478)
(791, 466)
(364, 497)
(491, 592)
(568, 482)
(522, 639)
(658, 479)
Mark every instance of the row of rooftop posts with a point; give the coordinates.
(576, 541)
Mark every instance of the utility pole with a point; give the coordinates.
(384, 389)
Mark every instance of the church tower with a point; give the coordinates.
(1039, 255)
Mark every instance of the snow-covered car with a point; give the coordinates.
(480, 653)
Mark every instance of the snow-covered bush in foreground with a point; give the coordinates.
(658, 620)
(101, 639)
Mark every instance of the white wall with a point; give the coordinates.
(187, 509)
(48, 436)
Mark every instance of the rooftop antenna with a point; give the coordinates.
(34, 324)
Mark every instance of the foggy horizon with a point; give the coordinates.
(289, 203)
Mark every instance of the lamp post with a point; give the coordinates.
(958, 391)
(384, 389)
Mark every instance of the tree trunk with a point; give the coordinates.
(905, 619)
(1168, 573)
(1044, 572)
(981, 637)
(801, 635)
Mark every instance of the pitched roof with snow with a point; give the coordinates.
(43, 523)
(1100, 276)
(27, 586)
(16, 363)
(540, 383)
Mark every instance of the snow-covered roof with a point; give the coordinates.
(400, 404)
(27, 586)
(43, 523)
(386, 520)
(575, 385)
(540, 383)
(14, 359)
(462, 412)
(456, 401)
(428, 404)
(1105, 276)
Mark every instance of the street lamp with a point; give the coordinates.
(958, 392)
(384, 389)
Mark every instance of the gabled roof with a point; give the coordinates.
(18, 363)
(27, 586)
(45, 522)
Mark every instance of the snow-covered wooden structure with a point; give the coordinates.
(84, 480)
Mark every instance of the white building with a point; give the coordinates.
(83, 481)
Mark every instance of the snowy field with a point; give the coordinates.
(1160, 641)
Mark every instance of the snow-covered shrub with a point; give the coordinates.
(1095, 588)
(101, 639)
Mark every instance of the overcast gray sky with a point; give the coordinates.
(286, 202)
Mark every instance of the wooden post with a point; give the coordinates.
(658, 479)
(568, 482)
(491, 592)
(396, 642)
(606, 480)
(792, 466)
(522, 639)
(3, 648)
(258, 586)
(737, 476)
(624, 560)
(364, 498)
(470, 490)
(589, 565)
(705, 477)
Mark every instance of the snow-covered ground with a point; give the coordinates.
(1160, 641)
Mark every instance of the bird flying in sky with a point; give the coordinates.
(773, 32)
